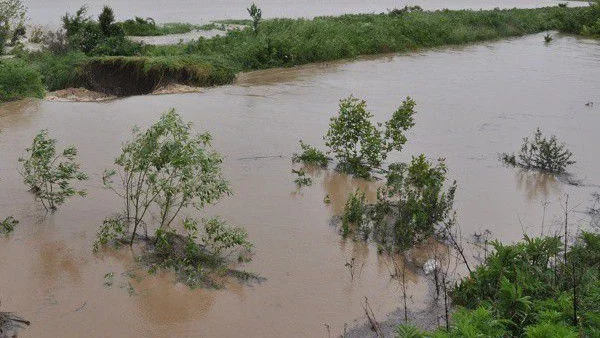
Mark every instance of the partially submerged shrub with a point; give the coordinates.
(354, 217)
(49, 174)
(302, 180)
(541, 153)
(310, 156)
(360, 145)
(414, 203)
(166, 170)
(8, 225)
(19, 80)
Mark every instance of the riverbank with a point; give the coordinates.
(291, 42)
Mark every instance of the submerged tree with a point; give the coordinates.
(414, 203)
(256, 14)
(361, 145)
(167, 167)
(50, 174)
(165, 170)
(541, 153)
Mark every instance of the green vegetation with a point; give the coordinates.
(355, 214)
(19, 80)
(310, 156)
(528, 290)
(50, 175)
(167, 170)
(256, 15)
(277, 43)
(361, 146)
(102, 37)
(12, 22)
(413, 205)
(542, 154)
(147, 27)
(302, 180)
(8, 225)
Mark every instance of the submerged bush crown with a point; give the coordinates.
(541, 153)
(310, 155)
(361, 145)
(50, 174)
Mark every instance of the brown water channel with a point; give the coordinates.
(473, 103)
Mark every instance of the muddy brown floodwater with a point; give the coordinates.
(473, 103)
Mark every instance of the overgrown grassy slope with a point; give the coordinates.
(290, 42)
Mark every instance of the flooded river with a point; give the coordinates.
(473, 103)
(202, 11)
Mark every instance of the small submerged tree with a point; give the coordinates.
(414, 203)
(167, 169)
(50, 174)
(256, 15)
(361, 145)
(541, 153)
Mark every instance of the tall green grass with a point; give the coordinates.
(290, 42)
(19, 80)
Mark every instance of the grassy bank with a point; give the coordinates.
(290, 42)
(532, 289)
(18, 80)
(147, 27)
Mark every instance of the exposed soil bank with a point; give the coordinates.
(126, 76)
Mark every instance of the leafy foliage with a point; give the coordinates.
(541, 153)
(147, 27)
(50, 174)
(358, 143)
(12, 22)
(8, 225)
(355, 214)
(310, 156)
(301, 180)
(256, 15)
(19, 80)
(166, 170)
(104, 37)
(413, 203)
(526, 290)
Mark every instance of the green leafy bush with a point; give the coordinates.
(19, 80)
(354, 217)
(169, 169)
(414, 203)
(541, 153)
(310, 156)
(8, 225)
(50, 175)
(360, 145)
